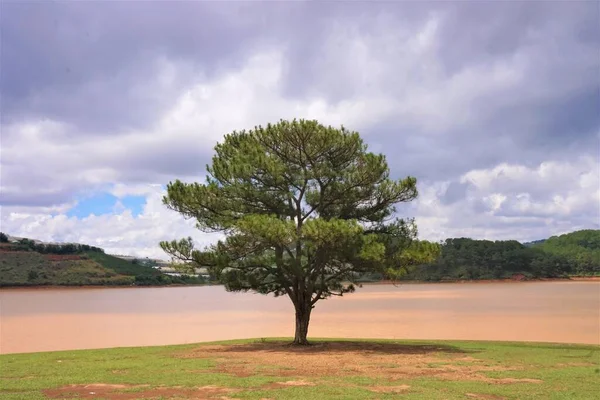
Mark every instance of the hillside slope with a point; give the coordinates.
(22, 265)
(30, 268)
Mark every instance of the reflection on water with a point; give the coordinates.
(61, 319)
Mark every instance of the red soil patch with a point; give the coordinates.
(585, 278)
(62, 257)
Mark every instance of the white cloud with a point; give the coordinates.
(121, 190)
(117, 233)
(512, 201)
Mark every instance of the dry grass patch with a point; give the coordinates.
(281, 385)
(482, 396)
(515, 380)
(389, 389)
(107, 391)
(295, 383)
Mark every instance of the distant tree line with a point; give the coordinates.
(45, 248)
(163, 279)
(577, 253)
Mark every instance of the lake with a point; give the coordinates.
(62, 319)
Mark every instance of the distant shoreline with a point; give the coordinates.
(482, 281)
(384, 282)
(74, 287)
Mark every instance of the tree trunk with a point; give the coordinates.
(302, 320)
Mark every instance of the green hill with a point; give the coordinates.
(581, 248)
(31, 268)
(573, 254)
(26, 263)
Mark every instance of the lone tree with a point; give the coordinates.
(305, 211)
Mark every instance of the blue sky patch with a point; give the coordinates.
(106, 203)
(134, 203)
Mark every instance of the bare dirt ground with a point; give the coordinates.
(339, 359)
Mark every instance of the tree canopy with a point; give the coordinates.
(305, 209)
(582, 248)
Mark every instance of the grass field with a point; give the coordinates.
(330, 369)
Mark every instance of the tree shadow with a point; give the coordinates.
(344, 346)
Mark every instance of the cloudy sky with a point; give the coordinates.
(493, 106)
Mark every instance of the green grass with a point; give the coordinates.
(250, 369)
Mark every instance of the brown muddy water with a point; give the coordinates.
(64, 319)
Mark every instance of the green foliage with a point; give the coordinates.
(305, 209)
(581, 248)
(32, 275)
(3, 237)
(576, 253)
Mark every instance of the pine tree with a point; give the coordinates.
(305, 210)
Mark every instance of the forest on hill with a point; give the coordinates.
(572, 254)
